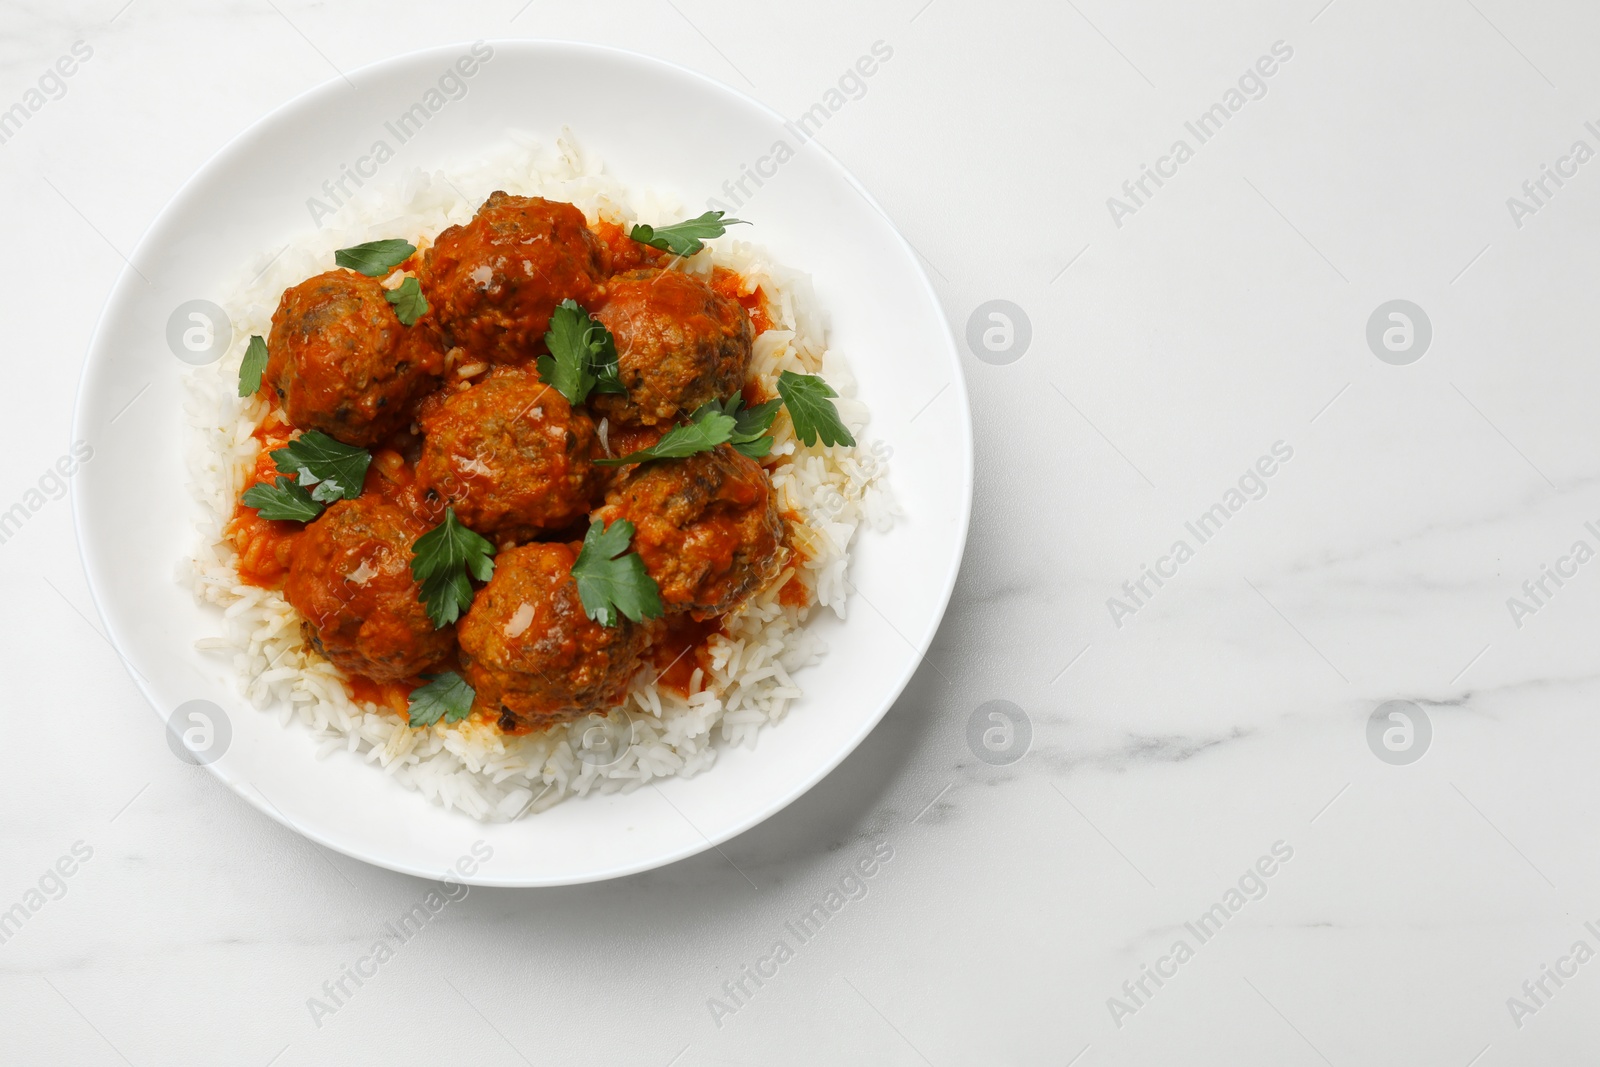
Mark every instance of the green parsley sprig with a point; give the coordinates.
(285, 500)
(447, 695)
(709, 428)
(687, 237)
(375, 258)
(441, 560)
(809, 401)
(337, 470)
(807, 398)
(409, 303)
(611, 579)
(255, 361)
(583, 355)
(750, 437)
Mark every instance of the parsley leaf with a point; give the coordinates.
(447, 694)
(286, 500)
(255, 361)
(567, 368)
(609, 581)
(375, 258)
(317, 458)
(441, 559)
(810, 409)
(409, 303)
(709, 429)
(583, 354)
(687, 237)
(750, 436)
(605, 365)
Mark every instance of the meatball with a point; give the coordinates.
(679, 345)
(339, 360)
(496, 280)
(707, 528)
(350, 577)
(510, 455)
(532, 655)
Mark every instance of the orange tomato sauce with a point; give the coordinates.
(682, 647)
(794, 593)
(393, 696)
(623, 252)
(626, 439)
(731, 284)
(264, 545)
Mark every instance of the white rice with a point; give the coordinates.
(470, 766)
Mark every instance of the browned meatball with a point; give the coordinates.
(340, 361)
(679, 345)
(510, 455)
(707, 528)
(532, 655)
(350, 577)
(496, 280)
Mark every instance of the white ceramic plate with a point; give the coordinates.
(655, 125)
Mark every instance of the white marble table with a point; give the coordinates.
(1185, 741)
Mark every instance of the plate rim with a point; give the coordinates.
(337, 84)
